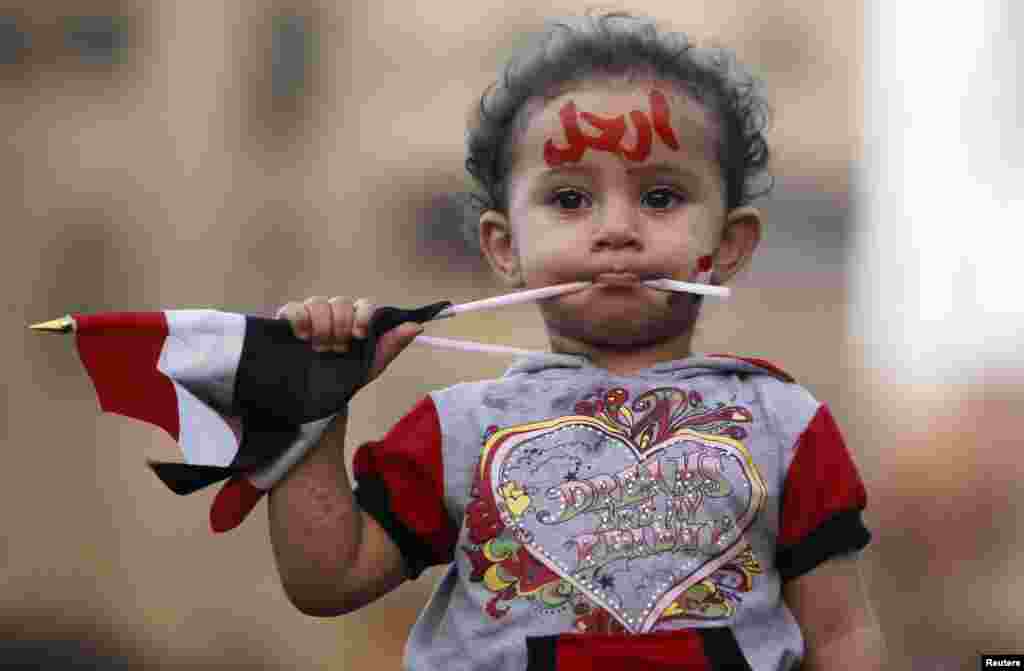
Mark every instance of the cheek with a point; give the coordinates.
(702, 232)
(548, 250)
(543, 240)
(678, 253)
(682, 244)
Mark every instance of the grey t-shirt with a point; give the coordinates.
(648, 519)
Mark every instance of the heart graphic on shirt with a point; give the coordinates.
(631, 528)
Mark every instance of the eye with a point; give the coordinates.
(661, 199)
(569, 199)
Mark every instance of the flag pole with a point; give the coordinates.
(572, 287)
(66, 324)
(512, 299)
(689, 287)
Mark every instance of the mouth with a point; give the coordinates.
(624, 279)
(617, 279)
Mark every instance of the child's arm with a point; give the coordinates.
(830, 604)
(332, 557)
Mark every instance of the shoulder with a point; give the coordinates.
(762, 364)
(461, 409)
(789, 409)
(478, 392)
(779, 391)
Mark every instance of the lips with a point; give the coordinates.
(617, 279)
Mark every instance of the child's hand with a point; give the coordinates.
(331, 324)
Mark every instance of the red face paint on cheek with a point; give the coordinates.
(612, 130)
(703, 274)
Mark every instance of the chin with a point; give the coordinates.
(626, 343)
(626, 325)
(628, 334)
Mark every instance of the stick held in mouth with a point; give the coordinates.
(689, 287)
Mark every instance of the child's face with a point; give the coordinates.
(616, 177)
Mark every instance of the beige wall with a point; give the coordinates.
(175, 180)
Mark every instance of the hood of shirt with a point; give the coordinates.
(692, 366)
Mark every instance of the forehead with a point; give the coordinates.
(638, 122)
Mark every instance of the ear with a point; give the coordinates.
(740, 237)
(499, 247)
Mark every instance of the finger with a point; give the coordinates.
(296, 314)
(320, 315)
(391, 344)
(341, 323)
(364, 309)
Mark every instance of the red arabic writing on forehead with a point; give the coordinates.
(613, 130)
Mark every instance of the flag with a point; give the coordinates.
(243, 397)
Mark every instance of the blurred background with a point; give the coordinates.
(238, 155)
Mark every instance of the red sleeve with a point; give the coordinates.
(401, 484)
(822, 501)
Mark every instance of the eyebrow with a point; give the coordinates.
(652, 169)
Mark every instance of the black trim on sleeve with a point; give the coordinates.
(372, 496)
(843, 533)
(723, 650)
(540, 653)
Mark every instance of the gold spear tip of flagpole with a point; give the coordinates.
(61, 325)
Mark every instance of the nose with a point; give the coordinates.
(616, 228)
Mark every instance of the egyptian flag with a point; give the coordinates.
(242, 396)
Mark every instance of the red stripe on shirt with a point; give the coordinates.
(822, 480)
(121, 351)
(410, 462)
(660, 651)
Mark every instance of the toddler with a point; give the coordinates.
(619, 501)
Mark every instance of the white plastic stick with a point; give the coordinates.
(467, 346)
(571, 287)
(690, 287)
(513, 298)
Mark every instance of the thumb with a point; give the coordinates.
(391, 344)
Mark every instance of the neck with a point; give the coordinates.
(625, 359)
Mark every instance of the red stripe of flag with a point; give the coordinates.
(121, 352)
(233, 503)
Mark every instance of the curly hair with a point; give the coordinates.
(617, 44)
